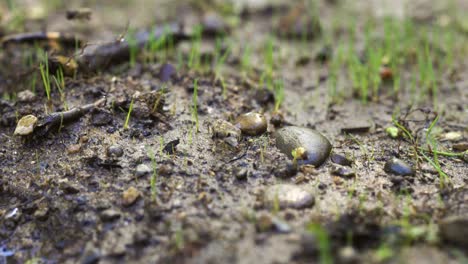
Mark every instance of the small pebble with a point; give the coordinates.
(451, 136)
(287, 170)
(462, 146)
(165, 169)
(130, 196)
(343, 171)
(166, 72)
(356, 127)
(225, 131)
(277, 119)
(73, 149)
(26, 96)
(115, 151)
(25, 125)
(69, 188)
(398, 167)
(41, 213)
(143, 170)
(316, 145)
(252, 124)
(280, 225)
(348, 254)
(110, 215)
(213, 24)
(386, 73)
(341, 160)
(263, 96)
(288, 196)
(264, 223)
(242, 174)
(171, 146)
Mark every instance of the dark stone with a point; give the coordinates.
(356, 129)
(170, 147)
(341, 160)
(166, 72)
(115, 151)
(101, 118)
(69, 188)
(213, 24)
(263, 96)
(109, 215)
(316, 145)
(343, 171)
(288, 170)
(398, 167)
(277, 119)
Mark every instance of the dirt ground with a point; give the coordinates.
(82, 192)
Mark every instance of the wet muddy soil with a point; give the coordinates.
(155, 166)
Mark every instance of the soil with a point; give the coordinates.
(65, 194)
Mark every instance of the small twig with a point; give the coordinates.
(60, 118)
(40, 36)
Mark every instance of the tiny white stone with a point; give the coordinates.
(25, 125)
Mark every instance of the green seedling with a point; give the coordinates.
(264, 149)
(195, 55)
(195, 104)
(44, 69)
(334, 73)
(375, 58)
(127, 119)
(179, 239)
(279, 94)
(443, 177)
(133, 46)
(383, 253)
(59, 80)
(180, 60)
(246, 59)
(169, 37)
(153, 46)
(392, 131)
(298, 154)
(11, 4)
(220, 57)
(30, 62)
(369, 155)
(450, 44)
(276, 204)
(431, 149)
(396, 80)
(323, 239)
(269, 59)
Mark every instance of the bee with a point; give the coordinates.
(79, 14)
